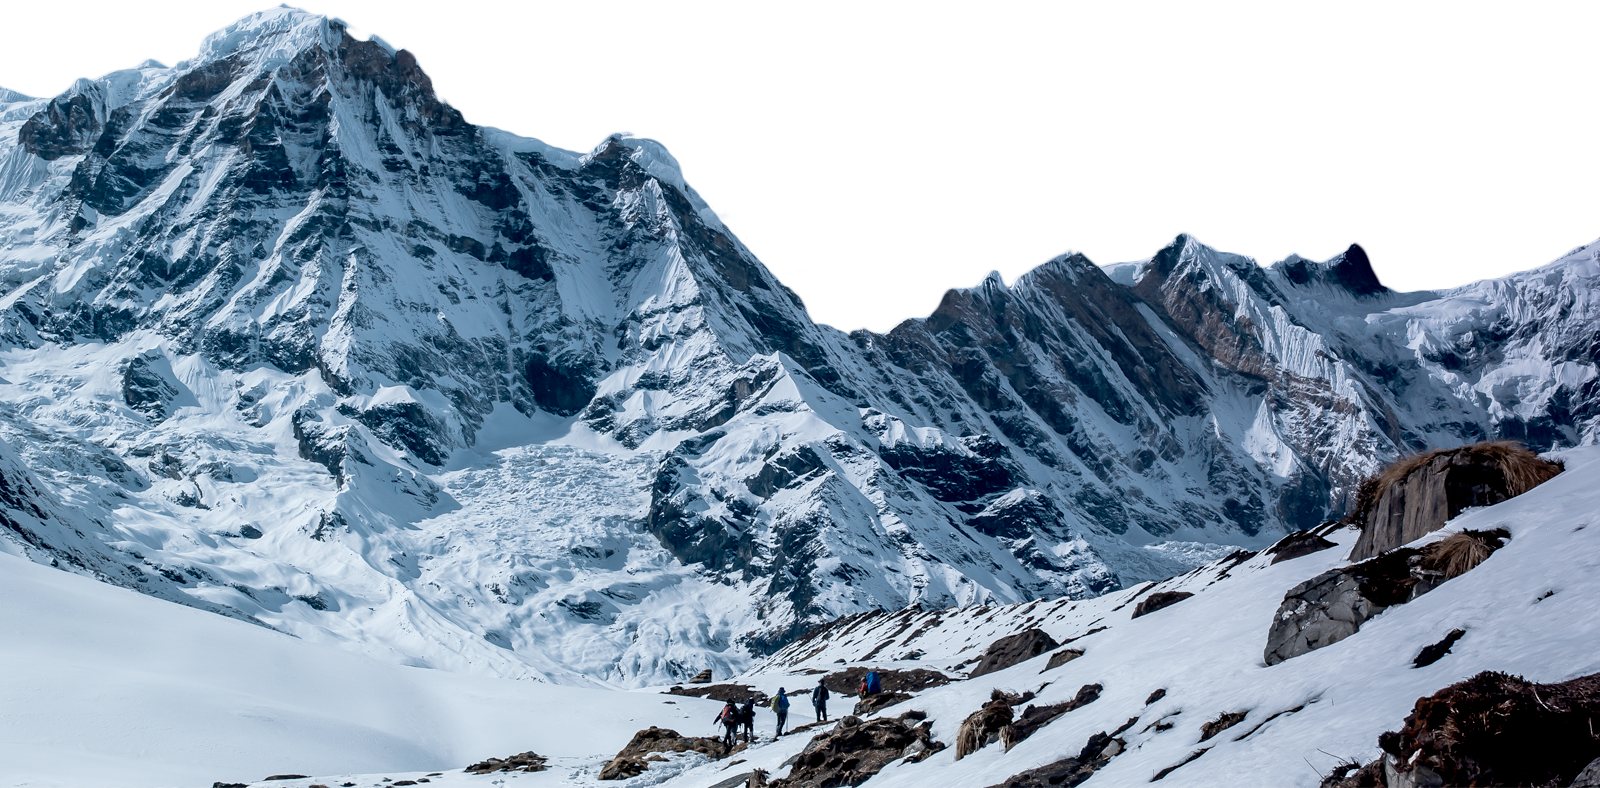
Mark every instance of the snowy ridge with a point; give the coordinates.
(301, 344)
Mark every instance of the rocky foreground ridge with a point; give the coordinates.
(288, 338)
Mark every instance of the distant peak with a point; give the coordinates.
(11, 96)
(280, 31)
(1350, 270)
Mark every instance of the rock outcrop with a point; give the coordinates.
(633, 759)
(521, 762)
(1160, 600)
(1333, 605)
(1013, 650)
(855, 750)
(1419, 494)
(1034, 717)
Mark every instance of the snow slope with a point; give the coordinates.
(283, 336)
(1527, 610)
(105, 687)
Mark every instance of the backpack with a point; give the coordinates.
(729, 715)
(872, 683)
(780, 704)
(819, 694)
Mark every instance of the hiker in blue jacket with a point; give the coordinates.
(780, 707)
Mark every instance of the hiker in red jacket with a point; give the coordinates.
(730, 719)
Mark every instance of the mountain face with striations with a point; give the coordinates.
(284, 337)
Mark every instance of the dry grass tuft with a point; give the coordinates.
(1458, 553)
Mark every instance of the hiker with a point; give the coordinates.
(780, 707)
(747, 715)
(862, 690)
(729, 718)
(819, 701)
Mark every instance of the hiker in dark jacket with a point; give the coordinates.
(819, 701)
(729, 717)
(780, 707)
(747, 715)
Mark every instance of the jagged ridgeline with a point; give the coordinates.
(288, 338)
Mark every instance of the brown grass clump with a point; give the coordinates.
(1458, 553)
(977, 729)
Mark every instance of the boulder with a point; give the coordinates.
(855, 750)
(703, 677)
(633, 759)
(1013, 649)
(1158, 601)
(882, 700)
(1333, 605)
(1419, 494)
(1062, 657)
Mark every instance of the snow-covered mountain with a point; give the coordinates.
(287, 338)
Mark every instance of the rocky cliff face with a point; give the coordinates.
(349, 365)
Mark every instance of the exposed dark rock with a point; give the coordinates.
(881, 700)
(1434, 652)
(783, 469)
(734, 693)
(632, 759)
(1193, 756)
(949, 475)
(1067, 772)
(146, 387)
(1419, 494)
(1496, 729)
(521, 762)
(407, 426)
(1333, 605)
(1158, 601)
(1012, 650)
(855, 750)
(1035, 717)
(1062, 657)
(848, 681)
(1223, 722)
(287, 777)
(1350, 270)
(703, 677)
(1298, 544)
(1155, 696)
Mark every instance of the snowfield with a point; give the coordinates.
(105, 687)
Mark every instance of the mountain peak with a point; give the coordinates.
(279, 32)
(1350, 270)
